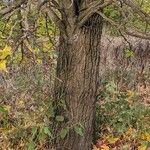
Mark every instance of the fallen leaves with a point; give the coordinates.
(127, 140)
(101, 147)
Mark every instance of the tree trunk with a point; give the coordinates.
(76, 86)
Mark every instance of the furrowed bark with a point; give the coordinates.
(78, 69)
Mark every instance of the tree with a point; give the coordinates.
(80, 24)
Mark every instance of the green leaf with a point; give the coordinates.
(34, 131)
(63, 104)
(31, 145)
(60, 118)
(3, 110)
(47, 131)
(64, 132)
(120, 120)
(129, 53)
(78, 130)
(51, 111)
(42, 136)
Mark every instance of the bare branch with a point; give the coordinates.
(137, 9)
(93, 8)
(122, 28)
(12, 8)
(53, 2)
(54, 17)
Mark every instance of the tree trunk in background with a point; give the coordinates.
(77, 70)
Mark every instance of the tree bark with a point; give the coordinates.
(78, 72)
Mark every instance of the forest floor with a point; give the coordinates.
(122, 116)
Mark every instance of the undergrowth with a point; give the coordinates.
(122, 112)
(122, 116)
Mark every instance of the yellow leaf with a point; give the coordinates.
(112, 140)
(47, 46)
(3, 65)
(130, 93)
(39, 61)
(130, 131)
(146, 136)
(7, 108)
(142, 147)
(5, 52)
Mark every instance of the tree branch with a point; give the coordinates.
(12, 8)
(54, 17)
(137, 9)
(123, 29)
(93, 8)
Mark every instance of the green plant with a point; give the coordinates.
(120, 109)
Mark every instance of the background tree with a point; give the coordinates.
(80, 25)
